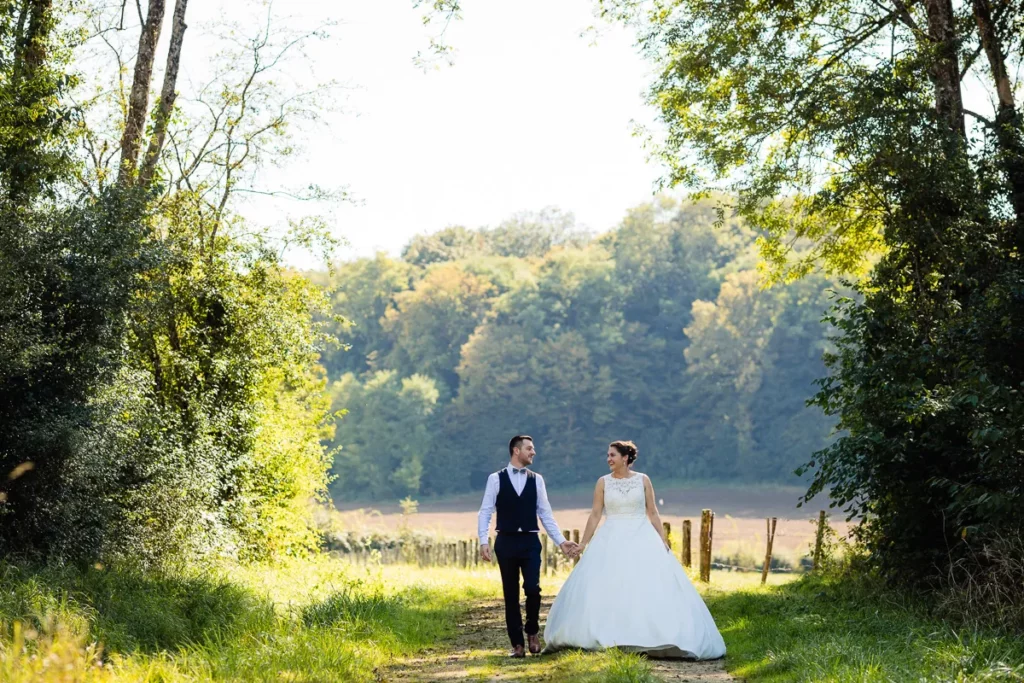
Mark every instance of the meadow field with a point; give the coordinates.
(739, 531)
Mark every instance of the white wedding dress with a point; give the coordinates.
(629, 592)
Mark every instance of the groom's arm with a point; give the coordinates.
(547, 518)
(483, 523)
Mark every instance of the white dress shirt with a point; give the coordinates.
(518, 479)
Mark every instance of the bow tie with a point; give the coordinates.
(518, 471)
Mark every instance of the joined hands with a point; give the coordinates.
(571, 550)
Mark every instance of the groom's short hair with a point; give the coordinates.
(516, 440)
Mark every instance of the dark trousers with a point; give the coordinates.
(519, 553)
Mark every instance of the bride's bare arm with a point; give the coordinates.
(595, 513)
(652, 510)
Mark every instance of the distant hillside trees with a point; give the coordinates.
(657, 331)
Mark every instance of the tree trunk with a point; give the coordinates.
(167, 95)
(949, 103)
(138, 102)
(40, 24)
(1008, 123)
(22, 158)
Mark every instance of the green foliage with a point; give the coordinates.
(526, 234)
(67, 270)
(929, 391)
(387, 434)
(34, 118)
(752, 355)
(658, 331)
(430, 323)
(213, 419)
(159, 396)
(365, 290)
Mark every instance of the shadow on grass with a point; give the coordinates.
(127, 611)
(830, 630)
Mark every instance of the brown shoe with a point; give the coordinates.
(534, 642)
(518, 652)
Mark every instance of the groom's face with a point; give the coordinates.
(526, 451)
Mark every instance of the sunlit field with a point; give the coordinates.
(739, 531)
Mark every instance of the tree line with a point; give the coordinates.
(659, 331)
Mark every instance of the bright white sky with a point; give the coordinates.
(531, 114)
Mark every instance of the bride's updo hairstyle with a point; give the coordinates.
(626, 448)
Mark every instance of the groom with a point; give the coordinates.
(519, 497)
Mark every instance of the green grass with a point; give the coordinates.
(314, 620)
(325, 620)
(611, 666)
(319, 620)
(828, 630)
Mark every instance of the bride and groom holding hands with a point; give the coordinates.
(628, 590)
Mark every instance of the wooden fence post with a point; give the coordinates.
(707, 523)
(818, 540)
(686, 557)
(668, 532)
(770, 524)
(544, 558)
(576, 540)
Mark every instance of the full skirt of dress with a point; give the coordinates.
(629, 592)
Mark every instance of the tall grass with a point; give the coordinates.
(313, 620)
(846, 630)
(318, 620)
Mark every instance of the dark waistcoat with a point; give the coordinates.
(516, 512)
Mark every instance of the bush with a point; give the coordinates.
(985, 588)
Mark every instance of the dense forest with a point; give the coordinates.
(659, 331)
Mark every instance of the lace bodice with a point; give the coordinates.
(624, 497)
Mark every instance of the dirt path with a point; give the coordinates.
(480, 654)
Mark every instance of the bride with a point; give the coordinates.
(628, 591)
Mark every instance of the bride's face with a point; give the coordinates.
(616, 460)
